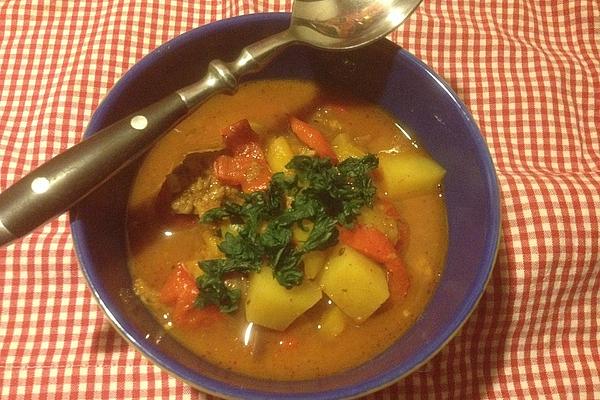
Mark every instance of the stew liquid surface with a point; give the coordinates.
(159, 240)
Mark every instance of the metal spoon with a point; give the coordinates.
(61, 182)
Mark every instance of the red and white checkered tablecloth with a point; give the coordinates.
(529, 71)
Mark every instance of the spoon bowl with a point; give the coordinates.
(347, 24)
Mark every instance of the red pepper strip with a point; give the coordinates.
(247, 167)
(369, 241)
(403, 236)
(180, 291)
(374, 244)
(312, 138)
(398, 279)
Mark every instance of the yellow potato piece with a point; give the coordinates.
(333, 322)
(355, 283)
(273, 306)
(313, 263)
(299, 235)
(345, 148)
(279, 153)
(375, 217)
(406, 174)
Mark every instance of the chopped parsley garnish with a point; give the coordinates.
(317, 197)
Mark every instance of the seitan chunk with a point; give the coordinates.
(202, 195)
(193, 187)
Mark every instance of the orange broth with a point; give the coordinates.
(301, 351)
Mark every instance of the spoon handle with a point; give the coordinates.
(61, 182)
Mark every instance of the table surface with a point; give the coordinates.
(530, 73)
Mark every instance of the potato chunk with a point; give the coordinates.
(375, 217)
(345, 148)
(300, 235)
(279, 153)
(355, 283)
(273, 306)
(406, 174)
(333, 322)
(313, 263)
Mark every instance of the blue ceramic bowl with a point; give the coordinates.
(383, 73)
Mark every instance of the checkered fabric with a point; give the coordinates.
(530, 73)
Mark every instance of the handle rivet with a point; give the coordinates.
(139, 122)
(40, 185)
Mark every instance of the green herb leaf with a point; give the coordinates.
(320, 192)
(323, 235)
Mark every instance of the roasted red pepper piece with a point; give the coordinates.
(249, 173)
(247, 166)
(238, 134)
(180, 291)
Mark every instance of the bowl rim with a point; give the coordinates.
(223, 389)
